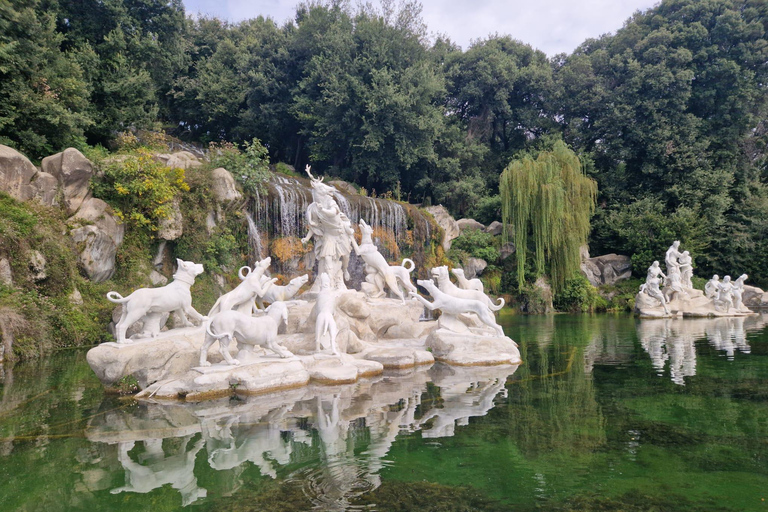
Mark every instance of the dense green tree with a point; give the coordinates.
(549, 199)
(43, 90)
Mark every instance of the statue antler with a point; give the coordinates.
(307, 169)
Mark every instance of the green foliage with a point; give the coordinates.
(644, 230)
(478, 244)
(250, 167)
(140, 188)
(579, 296)
(550, 198)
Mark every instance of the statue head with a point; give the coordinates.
(321, 193)
(676, 244)
(715, 277)
(655, 264)
(727, 279)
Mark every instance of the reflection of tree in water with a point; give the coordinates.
(556, 414)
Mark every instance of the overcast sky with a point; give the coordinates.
(553, 26)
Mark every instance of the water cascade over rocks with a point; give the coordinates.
(277, 217)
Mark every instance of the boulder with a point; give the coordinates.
(180, 159)
(224, 186)
(495, 228)
(474, 267)
(444, 220)
(471, 349)
(45, 188)
(465, 224)
(98, 213)
(76, 297)
(754, 296)
(73, 172)
(98, 255)
(6, 276)
(539, 299)
(607, 269)
(37, 266)
(16, 173)
(171, 227)
(507, 250)
(343, 186)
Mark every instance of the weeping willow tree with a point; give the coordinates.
(549, 199)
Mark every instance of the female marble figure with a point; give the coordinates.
(652, 282)
(710, 289)
(725, 294)
(686, 270)
(332, 231)
(671, 259)
(738, 291)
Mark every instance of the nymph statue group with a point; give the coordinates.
(675, 288)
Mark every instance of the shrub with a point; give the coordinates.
(250, 167)
(578, 295)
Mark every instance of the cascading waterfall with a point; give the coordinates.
(280, 212)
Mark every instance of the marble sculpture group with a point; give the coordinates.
(239, 314)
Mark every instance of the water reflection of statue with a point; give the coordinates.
(332, 231)
(176, 469)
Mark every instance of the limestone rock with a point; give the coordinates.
(507, 250)
(224, 186)
(495, 228)
(157, 279)
(172, 227)
(98, 255)
(45, 188)
(539, 300)
(754, 296)
(37, 266)
(76, 298)
(180, 159)
(354, 305)
(6, 276)
(98, 213)
(73, 171)
(607, 270)
(169, 355)
(343, 186)
(470, 349)
(444, 220)
(16, 172)
(474, 267)
(467, 224)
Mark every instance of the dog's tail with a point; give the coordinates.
(243, 275)
(409, 269)
(212, 311)
(116, 298)
(209, 333)
(499, 305)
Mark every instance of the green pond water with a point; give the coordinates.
(606, 413)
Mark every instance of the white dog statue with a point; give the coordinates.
(248, 330)
(467, 284)
(277, 293)
(383, 272)
(440, 274)
(243, 296)
(152, 303)
(455, 306)
(325, 307)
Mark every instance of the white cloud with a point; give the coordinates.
(552, 26)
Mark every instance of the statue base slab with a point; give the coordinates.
(696, 305)
(472, 349)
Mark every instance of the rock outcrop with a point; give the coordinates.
(224, 186)
(446, 222)
(22, 181)
(73, 173)
(466, 224)
(606, 270)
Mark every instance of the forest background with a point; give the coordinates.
(668, 115)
